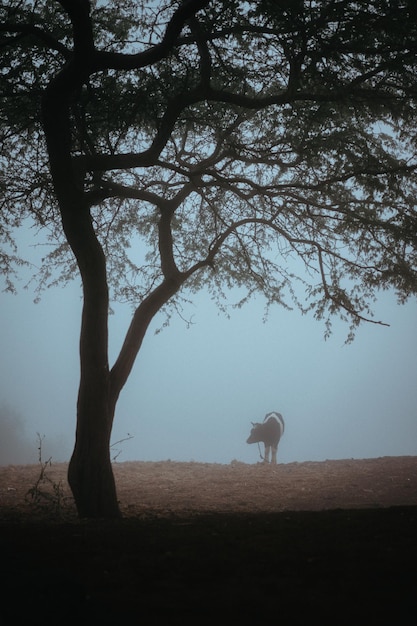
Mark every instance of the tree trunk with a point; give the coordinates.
(90, 472)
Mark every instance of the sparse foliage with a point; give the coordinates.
(170, 146)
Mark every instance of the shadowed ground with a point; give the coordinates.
(327, 543)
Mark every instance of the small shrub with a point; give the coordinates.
(46, 495)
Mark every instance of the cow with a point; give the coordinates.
(268, 432)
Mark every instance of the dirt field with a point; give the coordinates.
(328, 543)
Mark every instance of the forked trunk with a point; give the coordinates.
(90, 472)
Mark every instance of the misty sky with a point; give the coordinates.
(194, 391)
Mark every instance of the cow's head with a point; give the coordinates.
(255, 433)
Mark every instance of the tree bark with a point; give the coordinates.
(90, 473)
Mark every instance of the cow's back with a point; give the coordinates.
(273, 429)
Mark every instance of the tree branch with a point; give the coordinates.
(120, 61)
(28, 30)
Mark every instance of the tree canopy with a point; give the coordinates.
(265, 145)
(271, 131)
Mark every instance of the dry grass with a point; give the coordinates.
(171, 488)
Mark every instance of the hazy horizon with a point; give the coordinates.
(194, 390)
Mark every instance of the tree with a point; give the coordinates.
(199, 142)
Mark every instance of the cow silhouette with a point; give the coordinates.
(269, 432)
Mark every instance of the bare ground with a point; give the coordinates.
(331, 543)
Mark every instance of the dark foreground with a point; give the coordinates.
(353, 567)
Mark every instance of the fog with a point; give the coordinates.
(196, 387)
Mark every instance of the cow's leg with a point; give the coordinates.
(274, 455)
(266, 457)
